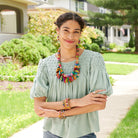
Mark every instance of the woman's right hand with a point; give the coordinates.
(92, 98)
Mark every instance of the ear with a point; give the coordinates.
(57, 30)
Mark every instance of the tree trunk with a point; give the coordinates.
(136, 38)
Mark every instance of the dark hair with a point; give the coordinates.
(69, 16)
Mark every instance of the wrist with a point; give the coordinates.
(74, 102)
(61, 114)
(57, 114)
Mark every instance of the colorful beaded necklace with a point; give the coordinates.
(72, 76)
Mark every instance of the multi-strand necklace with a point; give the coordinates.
(72, 76)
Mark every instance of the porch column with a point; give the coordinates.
(111, 34)
(116, 32)
(128, 34)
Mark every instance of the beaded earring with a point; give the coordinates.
(79, 42)
(58, 37)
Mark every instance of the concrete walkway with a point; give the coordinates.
(125, 94)
(135, 64)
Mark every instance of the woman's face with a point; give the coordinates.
(69, 34)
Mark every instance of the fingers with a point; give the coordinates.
(100, 99)
(100, 96)
(97, 91)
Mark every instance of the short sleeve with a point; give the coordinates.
(99, 79)
(41, 85)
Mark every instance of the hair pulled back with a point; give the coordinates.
(69, 16)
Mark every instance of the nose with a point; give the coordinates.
(70, 36)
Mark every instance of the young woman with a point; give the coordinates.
(71, 85)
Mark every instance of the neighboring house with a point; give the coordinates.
(114, 34)
(119, 34)
(57, 5)
(13, 18)
(71, 5)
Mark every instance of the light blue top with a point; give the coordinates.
(93, 76)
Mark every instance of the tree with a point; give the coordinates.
(120, 12)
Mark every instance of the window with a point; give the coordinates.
(81, 5)
(76, 5)
(118, 32)
(101, 10)
(125, 32)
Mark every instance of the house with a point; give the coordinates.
(13, 18)
(71, 5)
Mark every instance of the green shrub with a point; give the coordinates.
(42, 23)
(3, 52)
(100, 37)
(29, 49)
(126, 45)
(30, 56)
(26, 73)
(132, 41)
(86, 46)
(95, 47)
(112, 45)
(87, 35)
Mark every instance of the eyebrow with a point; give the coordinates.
(69, 28)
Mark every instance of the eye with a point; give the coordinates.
(66, 30)
(76, 32)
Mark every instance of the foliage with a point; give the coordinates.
(87, 35)
(17, 112)
(27, 73)
(29, 49)
(42, 23)
(112, 45)
(100, 37)
(95, 47)
(126, 45)
(128, 127)
(91, 35)
(132, 41)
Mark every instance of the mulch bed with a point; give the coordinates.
(15, 86)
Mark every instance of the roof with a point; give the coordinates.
(52, 7)
(28, 2)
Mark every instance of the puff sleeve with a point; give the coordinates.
(99, 78)
(40, 86)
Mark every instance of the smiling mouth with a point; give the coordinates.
(68, 41)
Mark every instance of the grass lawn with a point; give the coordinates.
(128, 127)
(16, 112)
(117, 69)
(120, 57)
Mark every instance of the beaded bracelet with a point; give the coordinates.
(66, 103)
(61, 115)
